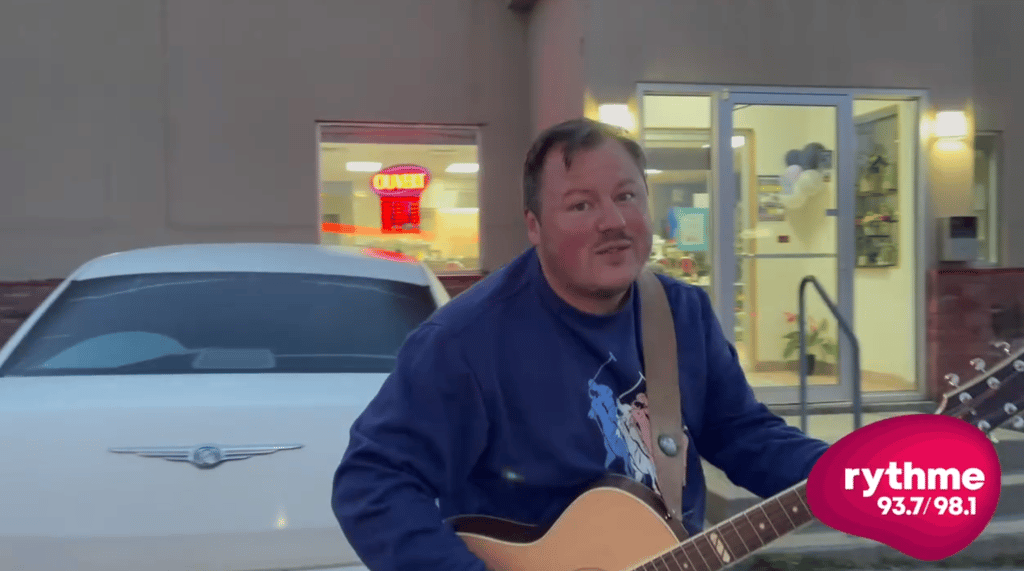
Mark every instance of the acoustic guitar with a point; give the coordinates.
(640, 536)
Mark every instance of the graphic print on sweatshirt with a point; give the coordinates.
(625, 426)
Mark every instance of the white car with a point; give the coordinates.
(185, 407)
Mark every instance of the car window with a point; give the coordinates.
(222, 322)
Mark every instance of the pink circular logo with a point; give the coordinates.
(926, 485)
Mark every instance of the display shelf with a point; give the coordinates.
(877, 226)
(877, 189)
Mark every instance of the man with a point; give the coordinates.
(521, 392)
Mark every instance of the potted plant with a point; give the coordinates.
(887, 254)
(817, 342)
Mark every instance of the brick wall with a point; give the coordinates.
(968, 310)
(18, 300)
(456, 284)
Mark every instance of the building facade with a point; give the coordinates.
(788, 138)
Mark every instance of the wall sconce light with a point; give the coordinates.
(951, 125)
(618, 115)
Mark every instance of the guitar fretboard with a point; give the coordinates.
(738, 536)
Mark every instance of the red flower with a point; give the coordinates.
(790, 317)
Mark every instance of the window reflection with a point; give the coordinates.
(440, 226)
(678, 176)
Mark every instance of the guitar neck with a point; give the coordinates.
(738, 536)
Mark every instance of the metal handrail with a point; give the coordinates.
(803, 353)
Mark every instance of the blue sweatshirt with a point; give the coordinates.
(509, 402)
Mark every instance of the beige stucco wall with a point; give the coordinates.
(998, 91)
(556, 31)
(135, 123)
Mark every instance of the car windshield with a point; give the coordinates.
(222, 323)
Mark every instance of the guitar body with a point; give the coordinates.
(616, 524)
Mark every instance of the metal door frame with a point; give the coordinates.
(924, 245)
(724, 238)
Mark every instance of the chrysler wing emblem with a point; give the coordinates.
(204, 455)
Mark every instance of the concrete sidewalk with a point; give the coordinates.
(998, 546)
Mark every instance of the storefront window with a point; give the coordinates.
(986, 189)
(884, 279)
(677, 140)
(408, 189)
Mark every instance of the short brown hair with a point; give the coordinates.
(575, 134)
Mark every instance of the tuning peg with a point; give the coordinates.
(1017, 423)
(1018, 365)
(978, 363)
(1002, 346)
(984, 425)
(953, 379)
(1010, 409)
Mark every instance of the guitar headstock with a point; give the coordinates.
(994, 397)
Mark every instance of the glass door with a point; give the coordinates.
(788, 214)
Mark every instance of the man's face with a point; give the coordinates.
(594, 230)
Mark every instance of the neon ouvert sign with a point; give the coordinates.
(399, 188)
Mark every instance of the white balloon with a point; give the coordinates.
(793, 201)
(808, 184)
(789, 178)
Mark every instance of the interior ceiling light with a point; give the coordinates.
(362, 166)
(737, 141)
(464, 168)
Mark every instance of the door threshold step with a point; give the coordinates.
(923, 406)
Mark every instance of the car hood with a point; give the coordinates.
(72, 502)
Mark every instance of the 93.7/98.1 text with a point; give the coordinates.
(902, 505)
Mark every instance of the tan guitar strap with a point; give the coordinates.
(668, 439)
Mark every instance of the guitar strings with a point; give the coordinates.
(720, 539)
(965, 407)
